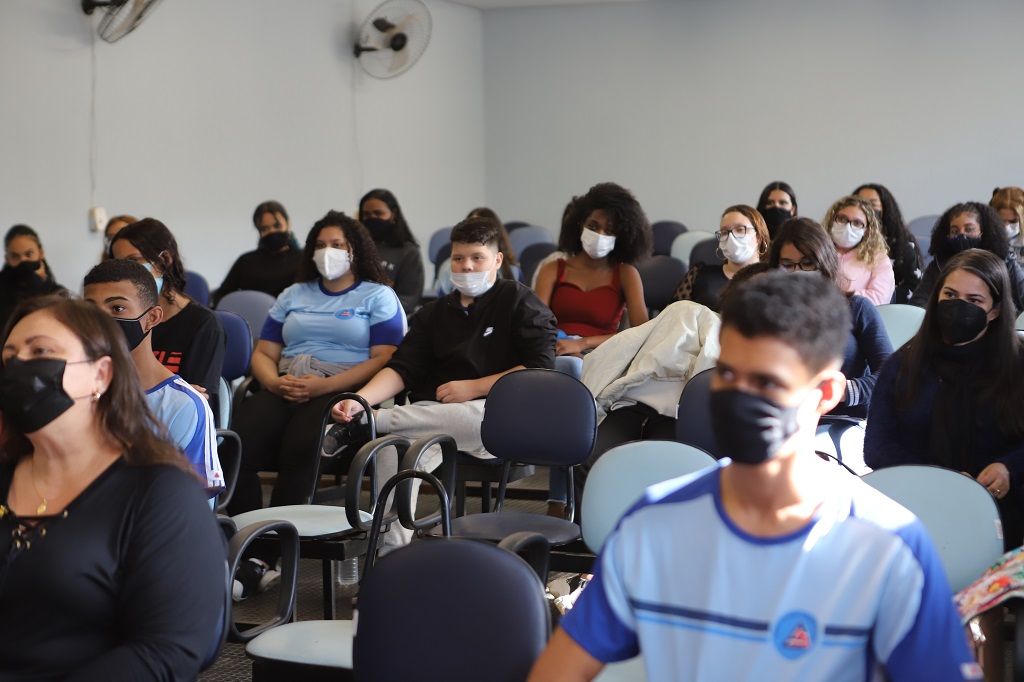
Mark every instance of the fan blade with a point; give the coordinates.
(399, 61)
(382, 25)
(404, 24)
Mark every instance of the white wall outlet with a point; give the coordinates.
(97, 218)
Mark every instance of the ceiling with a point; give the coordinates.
(495, 4)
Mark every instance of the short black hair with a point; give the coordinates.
(477, 230)
(803, 311)
(629, 224)
(125, 271)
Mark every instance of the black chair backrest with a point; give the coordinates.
(706, 252)
(665, 232)
(420, 606)
(532, 256)
(693, 415)
(540, 416)
(661, 276)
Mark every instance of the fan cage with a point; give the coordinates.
(384, 62)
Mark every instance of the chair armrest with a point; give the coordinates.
(534, 548)
(413, 462)
(289, 538)
(364, 459)
(378, 515)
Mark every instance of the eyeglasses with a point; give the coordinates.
(807, 265)
(737, 232)
(857, 223)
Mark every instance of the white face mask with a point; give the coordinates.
(472, 284)
(597, 245)
(847, 236)
(332, 263)
(740, 249)
(1012, 230)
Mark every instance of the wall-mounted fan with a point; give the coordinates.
(121, 17)
(393, 37)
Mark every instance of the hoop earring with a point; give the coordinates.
(764, 248)
(718, 252)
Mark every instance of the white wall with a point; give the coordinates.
(209, 108)
(697, 104)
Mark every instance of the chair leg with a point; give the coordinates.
(460, 499)
(328, 577)
(485, 497)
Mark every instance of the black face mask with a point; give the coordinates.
(379, 228)
(32, 392)
(24, 269)
(750, 429)
(774, 217)
(132, 330)
(960, 321)
(962, 242)
(274, 241)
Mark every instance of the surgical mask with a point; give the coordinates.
(1012, 230)
(740, 249)
(960, 321)
(750, 429)
(378, 228)
(774, 217)
(159, 280)
(132, 330)
(962, 242)
(32, 392)
(332, 263)
(597, 245)
(274, 241)
(472, 284)
(847, 236)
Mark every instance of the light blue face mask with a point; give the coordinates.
(159, 280)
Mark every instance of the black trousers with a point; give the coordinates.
(282, 436)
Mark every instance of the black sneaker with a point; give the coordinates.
(252, 577)
(352, 435)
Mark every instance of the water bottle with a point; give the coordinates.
(348, 576)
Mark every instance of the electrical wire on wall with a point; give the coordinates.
(357, 170)
(93, 134)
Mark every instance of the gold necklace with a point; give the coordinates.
(41, 509)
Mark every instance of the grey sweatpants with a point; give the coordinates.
(427, 418)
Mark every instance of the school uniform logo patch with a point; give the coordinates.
(487, 332)
(346, 314)
(795, 634)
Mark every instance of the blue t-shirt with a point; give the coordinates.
(189, 420)
(335, 326)
(860, 587)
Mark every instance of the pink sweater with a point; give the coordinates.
(875, 283)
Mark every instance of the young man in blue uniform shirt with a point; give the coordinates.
(127, 292)
(775, 565)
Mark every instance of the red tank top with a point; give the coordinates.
(587, 313)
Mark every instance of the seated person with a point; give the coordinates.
(112, 565)
(904, 253)
(457, 347)
(127, 292)
(775, 564)
(272, 266)
(189, 340)
(25, 273)
(1009, 204)
(114, 226)
(742, 240)
(863, 253)
(399, 251)
(777, 204)
(509, 265)
(329, 333)
(802, 246)
(953, 395)
(970, 225)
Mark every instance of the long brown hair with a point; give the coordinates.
(122, 413)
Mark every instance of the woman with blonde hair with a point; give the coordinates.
(1009, 204)
(863, 255)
